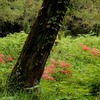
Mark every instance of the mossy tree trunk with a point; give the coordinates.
(30, 65)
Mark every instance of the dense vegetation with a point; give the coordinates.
(82, 16)
(71, 73)
(17, 15)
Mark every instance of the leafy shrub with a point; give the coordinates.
(96, 29)
(77, 26)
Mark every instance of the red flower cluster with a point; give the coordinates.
(47, 77)
(93, 51)
(66, 71)
(3, 59)
(63, 64)
(53, 61)
(9, 58)
(50, 69)
(84, 47)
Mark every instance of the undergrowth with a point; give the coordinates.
(71, 73)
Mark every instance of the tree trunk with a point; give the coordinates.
(30, 65)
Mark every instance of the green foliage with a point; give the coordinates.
(82, 84)
(12, 45)
(83, 17)
(31, 8)
(95, 84)
(21, 12)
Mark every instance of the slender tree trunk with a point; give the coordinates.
(30, 65)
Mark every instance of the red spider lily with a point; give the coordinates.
(49, 69)
(52, 66)
(84, 47)
(53, 61)
(63, 64)
(1, 60)
(94, 52)
(99, 53)
(2, 55)
(9, 58)
(47, 77)
(66, 72)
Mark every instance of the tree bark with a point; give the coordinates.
(30, 65)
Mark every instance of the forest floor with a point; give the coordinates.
(72, 71)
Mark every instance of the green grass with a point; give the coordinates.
(82, 84)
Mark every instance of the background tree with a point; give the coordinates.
(30, 65)
(15, 15)
(82, 17)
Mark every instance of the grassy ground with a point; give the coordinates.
(72, 71)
